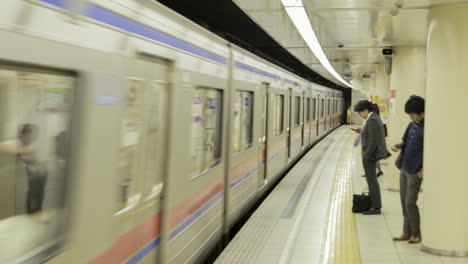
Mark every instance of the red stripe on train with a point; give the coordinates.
(132, 241)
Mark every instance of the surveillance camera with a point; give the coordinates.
(387, 51)
(340, 45)
(399, 5)
(394, 12)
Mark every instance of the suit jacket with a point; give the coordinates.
(373, 139)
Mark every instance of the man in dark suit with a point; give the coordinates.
(374, 149)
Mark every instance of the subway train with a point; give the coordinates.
(129, 134)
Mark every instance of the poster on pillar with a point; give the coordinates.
(392, 106)
(375, 100)
(384, 108)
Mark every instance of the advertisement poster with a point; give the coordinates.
(384, 108)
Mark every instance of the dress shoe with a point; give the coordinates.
(372, 211)
(414, 239)
(403, 237)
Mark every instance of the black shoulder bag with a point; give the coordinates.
(361, 202)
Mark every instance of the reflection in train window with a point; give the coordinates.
(322, 108)
(130, 145)
(307, 110)
(207, 104)
(141, 141)
(278, 114)
(243, 116)
(297, 111)
(314, 109)
(34, 122)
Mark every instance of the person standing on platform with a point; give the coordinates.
(374, 149)
(410, 164)
(377, 111)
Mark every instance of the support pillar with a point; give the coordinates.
(445, 212)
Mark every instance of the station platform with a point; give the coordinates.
(307, 218)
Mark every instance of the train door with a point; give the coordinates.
(325, 111)
(320, 116)
(141, 166)
(315, 129)
(332, 113)
(263, 140)
(303, 123)
(308, 120)
(290, 122)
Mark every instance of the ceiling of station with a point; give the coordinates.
(362, 27)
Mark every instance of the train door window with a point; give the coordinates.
(314, 110)
(278, 114)
(153, 137)
(206, 129)
(130, 147)
(35, 115)
(297, 111)
(243, 117)
(322, 108)
(307, 110)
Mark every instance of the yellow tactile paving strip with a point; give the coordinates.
(341, 244)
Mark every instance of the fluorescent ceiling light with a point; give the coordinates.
(298, 15)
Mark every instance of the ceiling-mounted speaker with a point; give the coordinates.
(388, 65)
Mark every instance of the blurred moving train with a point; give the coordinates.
(154, 135)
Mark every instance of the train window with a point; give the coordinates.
(314, 109)
(278, 114)
(130, 144)
(207, 108)
(141, 137)
(297, 111)
(322, 108)
(243, 117)
(152, 137)
(307, 110)
(34, 144)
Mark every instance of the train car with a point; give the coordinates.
(129, 134)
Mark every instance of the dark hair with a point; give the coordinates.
(363, 105)
(376, 109)
(25, 129)
(415, 104)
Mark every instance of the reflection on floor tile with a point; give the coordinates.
(454, 260)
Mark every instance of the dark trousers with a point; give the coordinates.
(370, 167)
(409, 191)
(35, 194)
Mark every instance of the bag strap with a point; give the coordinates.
(365, 192)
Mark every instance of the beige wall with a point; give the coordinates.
(359, 93)
(408, 78)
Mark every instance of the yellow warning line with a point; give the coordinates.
(341, 244)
